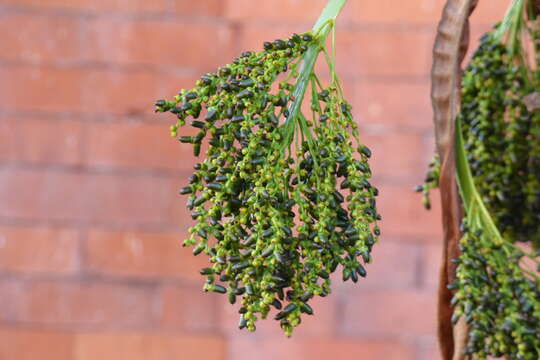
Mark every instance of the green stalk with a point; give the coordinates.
(512, 25)
(320, 30)
(468, 191)
(330, 12)
(473, 203)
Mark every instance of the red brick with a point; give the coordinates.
(189, 309)
(9, 133)
(39, 38)
(10, 293)
(50, 142)
(31, 344)
(399, 105)
(429, 153)
(404, 216)
(196, 8)
(202, 46)
(136, 145)
(87, 304)
(320, 348)
(143, 255)
(388, 52)
(48, 195)
(129, 92)
(388, 255)
(102, 91)
(489, 12)
(389, 160)
(133, 346)
(419, 12)
(94, 5)
(431, 263)
(40, 88)
(38, 250)
(120, 92)
(391, 12)
(390, 313)
(281, 10)
(428, 349)
(380, 12)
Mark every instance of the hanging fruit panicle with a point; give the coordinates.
(281, 199)
(501, 139)
(498, 139)
(497, 288)
(497, 296)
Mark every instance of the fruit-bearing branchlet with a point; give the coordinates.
(496, 290)
(498, 299)
(502, 141)
(280, 201)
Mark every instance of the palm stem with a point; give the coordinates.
(321, 29)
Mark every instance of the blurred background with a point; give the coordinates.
(91, 265)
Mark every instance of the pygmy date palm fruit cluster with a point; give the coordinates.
(281, 198)
(502, 140)
(497, 286)
(496, 294)
(501, 137)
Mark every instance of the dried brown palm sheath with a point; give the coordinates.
(536, 5)
(450, 47)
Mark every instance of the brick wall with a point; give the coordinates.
(90, 223)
